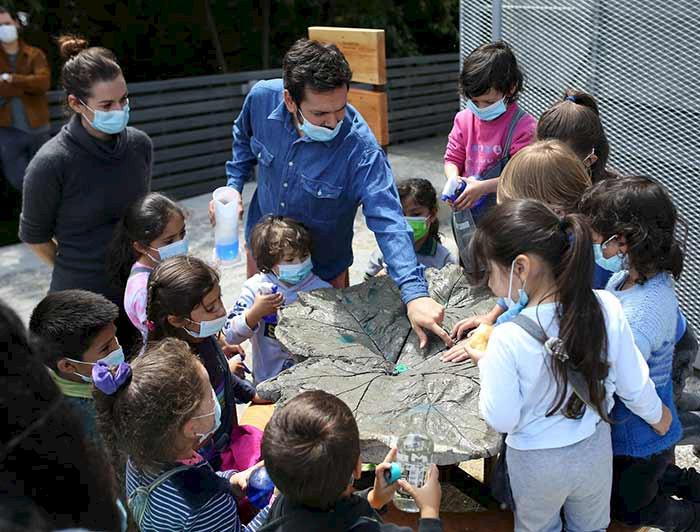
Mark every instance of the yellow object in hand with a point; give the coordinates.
(479, 339)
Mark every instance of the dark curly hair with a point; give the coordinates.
(491, 66)
(640, 210)
(320, 67)
(143, 419)
(45, 453)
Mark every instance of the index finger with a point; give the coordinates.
(441, 333)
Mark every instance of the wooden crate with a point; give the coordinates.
(374, 108)
(364, 49)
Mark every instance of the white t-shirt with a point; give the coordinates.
(518, 388)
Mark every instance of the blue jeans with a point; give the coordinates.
(16, 150)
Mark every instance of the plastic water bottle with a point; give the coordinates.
(260, 488)
(269, 288)
(226, 203)
(462, 221)
(414, 456)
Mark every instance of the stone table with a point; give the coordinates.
(357, 344)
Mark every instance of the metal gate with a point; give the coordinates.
(641, 60)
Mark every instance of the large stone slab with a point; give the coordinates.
(357, 344)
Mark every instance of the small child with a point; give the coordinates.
(152, 230)
(76, 330)
(490, 130)
(549, 373)
(311, 449)
(634, 223)
(184, 302)
(159, 411)
(282, 250)
(575, 120)
(420, 207)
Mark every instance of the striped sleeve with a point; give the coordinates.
(219, 514)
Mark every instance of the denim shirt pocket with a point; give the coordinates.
(261, 153)
(322, 199)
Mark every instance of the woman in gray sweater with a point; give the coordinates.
(80, 182)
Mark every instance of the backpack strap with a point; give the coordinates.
(575, 378)
(511, 130)
(140, 511)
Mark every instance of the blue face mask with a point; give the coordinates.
(217, 419)
(318, 133)
(110, 122)
(115, 358)
(295, 273)
(181, 247)
(207, 328)
(613, 264)
(514, 308)
(489, 113)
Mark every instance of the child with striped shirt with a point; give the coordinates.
(159, 411)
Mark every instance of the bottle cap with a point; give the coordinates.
(392, 474)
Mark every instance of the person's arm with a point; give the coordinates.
(455, 152)
(46, 251)
(243, 160)
(375, 188)
(39, 81)
(500, 400)
(41, 198)
(249, 309)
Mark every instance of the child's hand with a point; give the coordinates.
(231, 350)
(470, 195)
(461, 328)
(237, 367)
(382, 492)
(263, 305)
(239, 481)
(462, 351)
(664, 424)
(428, 497)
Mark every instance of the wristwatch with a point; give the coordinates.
(5, 76)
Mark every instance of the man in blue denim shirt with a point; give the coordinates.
(317, 162)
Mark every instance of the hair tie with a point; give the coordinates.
(108, 382)
(150, 325)
(571, 98)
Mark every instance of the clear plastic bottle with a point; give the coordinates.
(414, 456)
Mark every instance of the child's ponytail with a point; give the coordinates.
(581, 320)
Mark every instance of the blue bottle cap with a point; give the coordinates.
(392, 474)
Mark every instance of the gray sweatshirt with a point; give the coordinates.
(75, 190)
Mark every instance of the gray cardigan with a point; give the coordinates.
(75, 190)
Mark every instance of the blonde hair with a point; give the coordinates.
(548, 171)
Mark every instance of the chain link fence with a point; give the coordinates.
(641, 60)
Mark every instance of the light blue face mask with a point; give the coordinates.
(613, 264)
(217, 419)
(514, 308)
(115, 358)
(207, 328)
(319, 133)
(489, 113)
(181, 247)
(295, 273)
(110, 122)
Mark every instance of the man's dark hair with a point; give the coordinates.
(491, 66)
(320, 67)
(310, 448)
(66, 322)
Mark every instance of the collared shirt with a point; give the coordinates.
(321, 184)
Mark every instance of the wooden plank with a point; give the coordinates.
(185, 137)
(430, 110)
(216, 176)
(423, 80)
(421, 59)
(419, 133)
(155, 114)
(191, 163)
(363, 48)
(190, 95)
(192, 150)
(408, 71)
(179, 124)
(373, 108)
(405, 92)
(405, 123)
(428, 99)
(200, 81)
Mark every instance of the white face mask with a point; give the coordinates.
(115, 358)
(8, 33)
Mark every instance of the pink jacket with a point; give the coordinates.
(475, 145)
